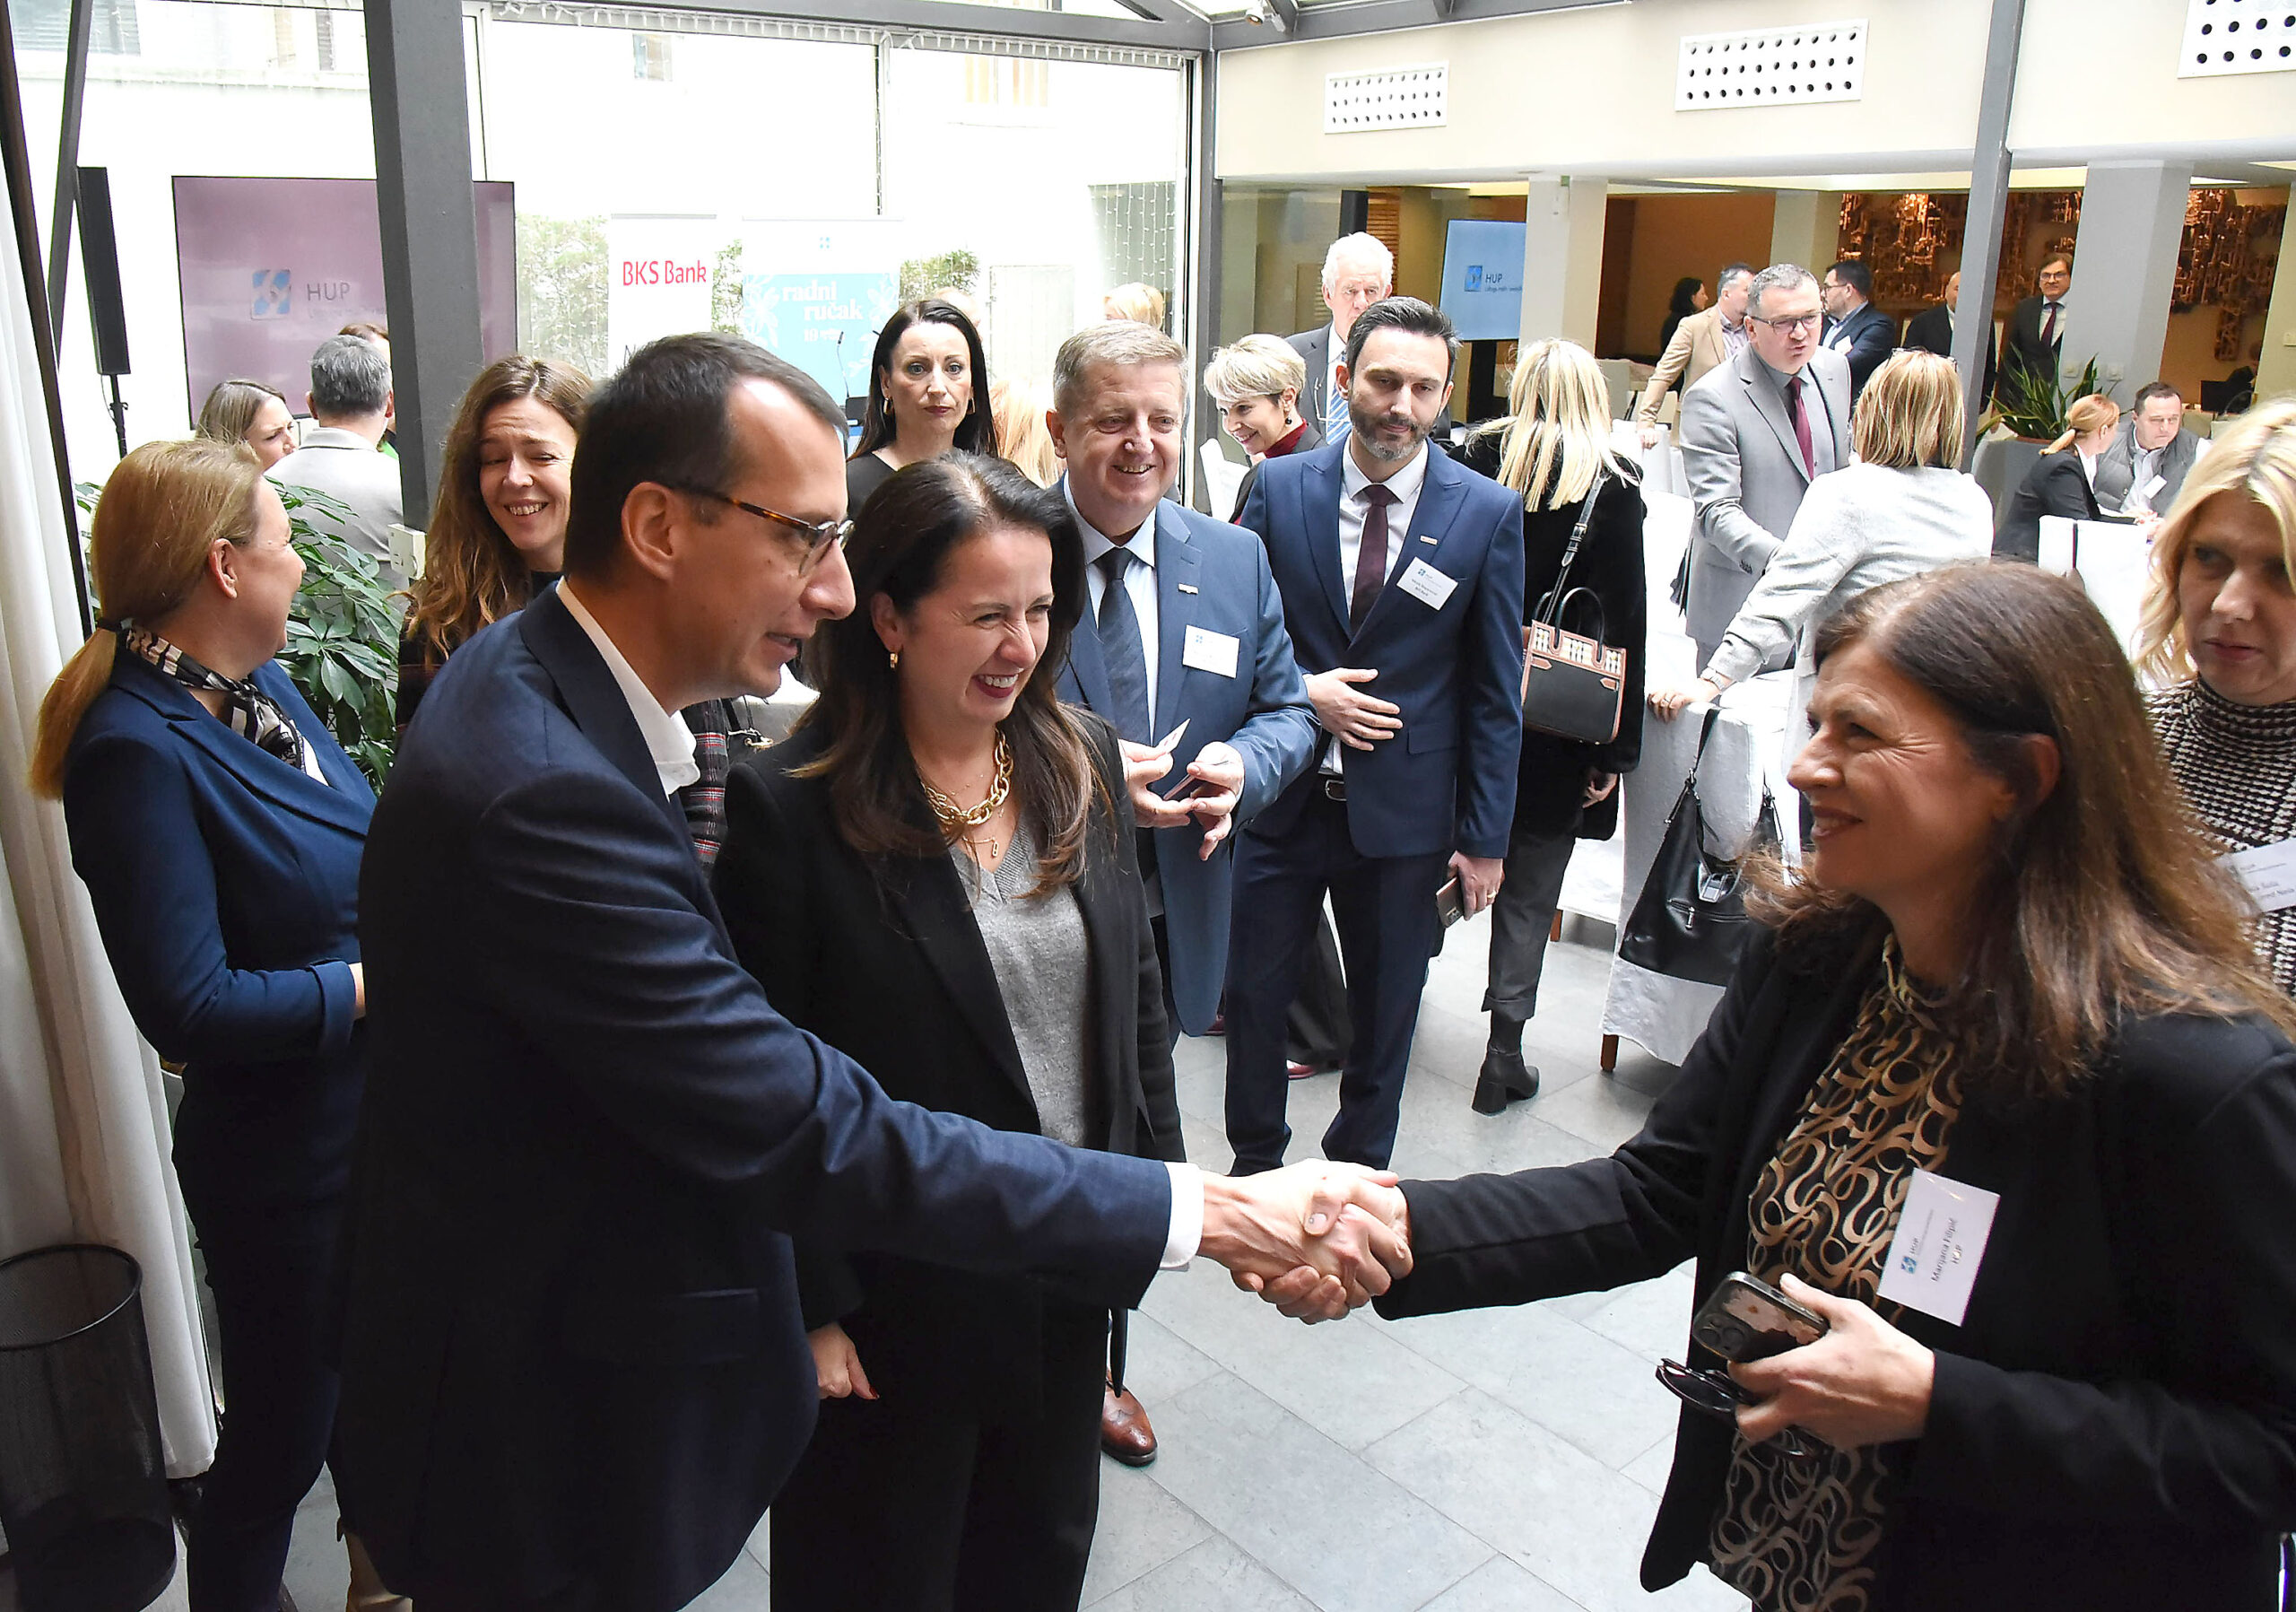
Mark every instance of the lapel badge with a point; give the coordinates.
(1187, 586)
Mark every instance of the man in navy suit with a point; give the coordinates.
(1193, 633)
(1402, 577)
(574, 1372)
(1860, 332)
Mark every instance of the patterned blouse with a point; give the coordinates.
(1797, 1533)
(2237, 767)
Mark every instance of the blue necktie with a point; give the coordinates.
(1336, 420)
(1127, 664)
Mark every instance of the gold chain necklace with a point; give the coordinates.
(1000, 789)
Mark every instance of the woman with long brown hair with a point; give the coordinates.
(935, 874)
(2008, 1022)
(219, 828)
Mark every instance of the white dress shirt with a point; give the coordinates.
(1139, 586)
(1406, 484)
(671, 742)
(668, 740)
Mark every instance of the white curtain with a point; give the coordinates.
(83, 1126)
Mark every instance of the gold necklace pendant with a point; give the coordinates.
(1000, 789)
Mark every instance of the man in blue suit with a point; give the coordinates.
(1856, 329)
(574, 1372)
(1194, 633)
(1402, 577)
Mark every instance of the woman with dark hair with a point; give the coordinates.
(1689, 297)
(498, 537)
(935, 874)
(929, 392)
(2008, 1027)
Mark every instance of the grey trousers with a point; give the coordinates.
(1522, 917)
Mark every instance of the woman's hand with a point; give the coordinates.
(1864, 1382)
(1668, 702)
(1599, 786)
(838, 1364)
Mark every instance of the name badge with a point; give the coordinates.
(2267, 873)
(1429, 586)
(1213, 652)
(1934, 1259)
(2152, 487)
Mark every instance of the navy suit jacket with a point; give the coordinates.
(1872, 336)
(573, 1361)
(225, 885)
(1213, 576)
(1447, 782)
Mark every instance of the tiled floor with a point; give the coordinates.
(1505, 1459)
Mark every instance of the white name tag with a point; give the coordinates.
(1213, 652)
(2152, 486)
(1429, 586)
(2267, 873)
(1940, 1242)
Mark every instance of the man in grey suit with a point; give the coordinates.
(1755, 433)
(1358, 271)
(351, 401)
(2143, 469)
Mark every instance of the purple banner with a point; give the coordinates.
(270, 268)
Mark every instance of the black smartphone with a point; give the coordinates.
(1747, 1318)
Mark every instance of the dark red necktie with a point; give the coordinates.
(1801, 426)
(2049, 327)
(1370, 556)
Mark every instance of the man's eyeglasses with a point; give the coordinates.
(1792, 323)
(820, 537)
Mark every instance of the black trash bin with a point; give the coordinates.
(83, 1492)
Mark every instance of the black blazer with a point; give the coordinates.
(1873, 337)
(2113, 1425)
(1551, 778)
(573, 1367)
(893, 973)
(2054, 485)
(2022, 347)
(1932, 331)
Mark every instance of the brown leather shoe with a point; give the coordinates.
(1125, 1432)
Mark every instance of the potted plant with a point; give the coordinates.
(2030, 404)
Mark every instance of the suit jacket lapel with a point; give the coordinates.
(1439, 496)
(346, 807)
(1764, 394)
(1177, 561)
(933, 902)
(1322, 489)
(592, 698)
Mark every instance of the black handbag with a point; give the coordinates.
(1571, 683)
(1690, 922)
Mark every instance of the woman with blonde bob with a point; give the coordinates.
(1553, 449)
(2219, 633)
(218, 827)
(1257, 382)
(1019, 407)
(2060, 483)
(1903, 508)
(249, 411)
(1142, 303)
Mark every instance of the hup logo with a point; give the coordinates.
(273, 293)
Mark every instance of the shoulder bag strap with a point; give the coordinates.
(1550, 608)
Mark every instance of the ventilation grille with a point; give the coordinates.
(1766, 66)
(1395, 98)
(2238, 35)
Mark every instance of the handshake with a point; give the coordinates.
(1316, 1240)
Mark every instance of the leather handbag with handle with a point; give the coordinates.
(1572, 683)
(1690, 922)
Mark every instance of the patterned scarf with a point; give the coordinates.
(247, 710)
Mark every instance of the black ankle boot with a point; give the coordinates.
(1504, 1076)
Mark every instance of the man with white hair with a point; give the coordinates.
(1358, 271)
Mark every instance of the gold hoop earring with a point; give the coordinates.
(893, 659)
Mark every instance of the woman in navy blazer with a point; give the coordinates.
(218, 828)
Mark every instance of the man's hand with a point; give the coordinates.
(1144, 766)
(1649, 436)
(1479, 880)
(837, 1363)
(1669, 702)
(1221, 768)
(1329, 1230)
(1864, 1382)
(1599, 786)
(1359, 721)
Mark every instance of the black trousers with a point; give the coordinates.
(1388, 930)
(923, 1508)
(269, 1270)
(1317, 1028)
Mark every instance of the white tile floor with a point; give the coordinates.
(1507, 1459)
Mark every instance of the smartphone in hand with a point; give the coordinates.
(1747, 1318)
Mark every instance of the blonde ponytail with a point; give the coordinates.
(161, 510)
(2096, 412)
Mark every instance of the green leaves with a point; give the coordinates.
(2034, 402)
(342, 633)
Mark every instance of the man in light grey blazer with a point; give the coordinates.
(2143, 469)
(1755, 433)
